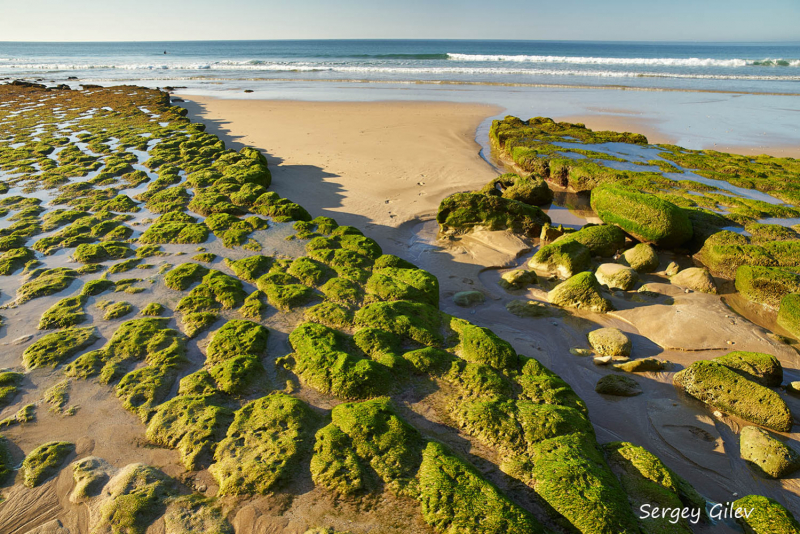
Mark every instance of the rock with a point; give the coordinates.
(696, 279)
(610, 342)
(646, 217)
(766, 455)
(789, 314)
(722, 388)
(793, 388)
(465, 212)
(550, 233)
(565, 257)
(763, 368)
(766, 285)
(616, 276)
(642, 365)
(575, 351)
(602, 360)
(642, 258)
(672, 269)
(466, 299)
(601, 239)
(582, 292)
(762, 515)
(620, 386)
(530, 189)
(528, 308)
(518, 279)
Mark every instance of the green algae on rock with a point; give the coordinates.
(581, 291)
(54, 348)
(763, 368)
(133, 499)
(9, 386)
(642, 258)
(610, 342)
(564, 257)
(335, 464)
(766, 285)
(722, 388)
(530, 189)
(762, 515)
(767, 456)
(154, 309)
(618, 385)
(44, 461)
(237, 337)
(64, 313)
(465, 212)
(44, 282)
(789, 313)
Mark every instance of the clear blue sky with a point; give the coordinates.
(613, 20)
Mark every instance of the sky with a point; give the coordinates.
(608, 20)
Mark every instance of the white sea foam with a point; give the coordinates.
(659, 61)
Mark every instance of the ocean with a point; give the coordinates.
(739, 67)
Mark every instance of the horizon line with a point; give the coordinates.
(685, 41)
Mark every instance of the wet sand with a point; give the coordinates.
(362, 163)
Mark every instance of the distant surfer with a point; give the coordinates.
(165, 51)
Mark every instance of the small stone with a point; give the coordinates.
(518, 279)
(620, 386)
(642, 365)
(793, 388)
(642, 258)
(616, 276)
(528, 308)
(602, 360)
(687, 290)
(610, 342)
(468, 298)
(672, 269)
(579, 352)
(695, 279)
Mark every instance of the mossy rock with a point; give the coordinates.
(14, 260)
(642, 365)
(618, 386)
(284, 296)
(766, 285)
(466, 299)
(529, 308)
(251, 267)
(646, 217)
(616, 276)
(642, 258)
(9, 386)
(330, 314)
(264, 445)
(480, 345)
(696, 279)
(392, 283)
(581, 291)
(100, 252)
(143, 389)
(254, 306)
(192, 425)
(540, 385)
(465, 212)
(518, 279)
(44, 282)
(64, 313)
(93, 288)
(45, 461)
(766, 455)
(90, 474)
(195, 513)
(530, 189)
(647, 480)
(175, 228)
(194, 323)
(335, 465)
(154, 309)
(343, 291)
(54, 348)
(564, 257)
(763, 368)
(762, 515)
(602, 240)
(455, 498)
(309, 272)
(235, 338)
(184, 276)
(133, 499)
(610, 342)
(322, 361)
(724, 389)
(789, 314)
(117, 310)
(413, 320)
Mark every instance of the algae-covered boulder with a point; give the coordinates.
(646, 217)
(45, 461)
(482, 346)
(582, 291)
(616, 276)
(264, 445)
(56, 347)
(763, 368)
(642, 258)
(619, 386)
(766, 285)
(43, 282)
(610, 342)
(530, 189)
(564, 257)
(456, 499)
(465, 212)
(642, 365)
(529, 308)
(237, 338)
(195, 514)
(768, 456)
(465, 299)
(696, 279)
(789, 314)
(517, 279)
(728, 391)
(134, 498)
(335, 464)
(762, 515)
(603, 240)
(413, 320)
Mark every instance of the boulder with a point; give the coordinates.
(789, 314)
(564, 256)
(518, 279)
(466, 299)
(696, 279)
(618, 385)
(762, 515)
(767, 456)
(465, 212)
(763, 368)
(530, 189)
(582, 291)
(601, 240)
(766, 285)
(610, 342)
(529, 308)
(616, 276)
(728, 391)
(642, 258)
(642, 365)
(672, 269)
(646, 217)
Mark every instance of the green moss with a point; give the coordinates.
(342, 291)
(601, 240)
(766, 285)
(766, 455)
(513, 280)
(125, 266)
(196, 322)
(141, 390)
(281, 209)
(389, 445)
(647, 480)
(722, 388)
(43, 282)
(565, 257)
(6, 461)
(57, 347)
(644, 216)
(14, 260)
(766, 516)
(335, 465)
(309, 271)
(217, 290)
(9, 386)
(251, 267)
(763, 368)
(413, 320)
(44, 461)
(116, 310)
(154, 309)
(100, 252)
(642, 258)
(380, 346)
(12, 242)
(322, 361)
(264, 445)
(465, 212)
(254, 306)
(456, 499)
(184, 275)
(583, 292)
(96, 287)
(175, 228)
(789, 314)
(531, 189)
(133, 499)
(57, 397)
(285, 296)
(392, 283)
(64, 313)
(235, 338)
(480, 345)
(541, 385)
(330, 314)
(192, 425)
(194, 513)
